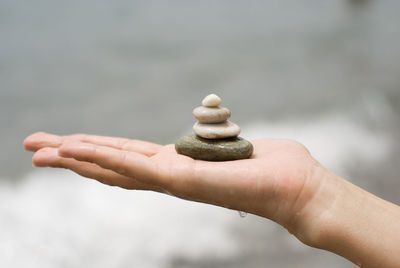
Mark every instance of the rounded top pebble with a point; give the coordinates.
(211, 100)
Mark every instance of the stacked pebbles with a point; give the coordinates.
(215, 138)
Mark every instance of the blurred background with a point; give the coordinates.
(325, 73)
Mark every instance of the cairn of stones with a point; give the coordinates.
(213, 121)
(216, 138)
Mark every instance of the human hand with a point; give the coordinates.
(281, 181)
(277, 182)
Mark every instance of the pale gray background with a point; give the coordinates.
(138, 68)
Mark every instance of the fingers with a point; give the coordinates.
(131, 164)
(48, 157)
(142, 147)
(40, 140)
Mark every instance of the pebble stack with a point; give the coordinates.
(216, 138)
(213, 121)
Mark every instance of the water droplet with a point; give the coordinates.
(242, 214)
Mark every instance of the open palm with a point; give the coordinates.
(277, 182)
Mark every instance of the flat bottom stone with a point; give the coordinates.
(214, 150)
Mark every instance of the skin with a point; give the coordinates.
(281, 182)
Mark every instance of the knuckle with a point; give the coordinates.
(91, 156)
(121, 164)
(124, 144)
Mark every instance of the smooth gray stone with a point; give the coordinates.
(211, 115)
(214, 150)
(223, 130)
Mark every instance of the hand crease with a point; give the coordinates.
(124, 144)
(120, 165)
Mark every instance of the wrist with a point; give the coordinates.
(351, 222)
(313, 221)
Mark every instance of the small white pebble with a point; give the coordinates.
(211, 100)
